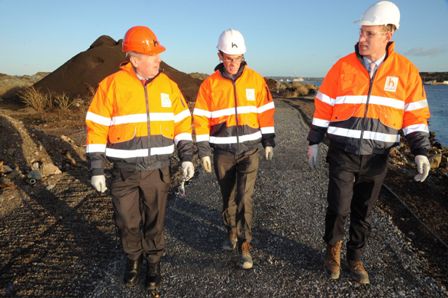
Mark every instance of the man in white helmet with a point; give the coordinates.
(233, 114)
(364, 101)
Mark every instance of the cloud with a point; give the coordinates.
(423, 52)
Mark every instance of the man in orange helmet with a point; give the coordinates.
(137, 117)
(233, 114)
(366, 98)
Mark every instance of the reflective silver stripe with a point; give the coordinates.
(321, 122)
(417, 105)
(325, 98)
(120, 153)
(202, 138)
(415, 127)
(181, 116)
(98, 119)
(375, 100)
(369, 135)
(183, 137)
(91, 148)
(233, 140)
(268, 129)
(138, 118)
(200, 112)
(266, 107)
(231, 111)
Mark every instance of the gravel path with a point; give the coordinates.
(288, 248)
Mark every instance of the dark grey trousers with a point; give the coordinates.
(354, 186)
(236, 177)
(139, 200)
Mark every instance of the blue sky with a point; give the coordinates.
(295, 38)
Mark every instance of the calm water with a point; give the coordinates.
(438, 105)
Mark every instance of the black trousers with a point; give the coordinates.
(354, 186)
(236, 176)
(139, 200)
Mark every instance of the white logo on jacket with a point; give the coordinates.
(391, 84)
(165, 100)
(250, 94)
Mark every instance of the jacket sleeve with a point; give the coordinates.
(182, 127)
(98, 120)
(266, 110)
(201, 119)
(416, 115)
(323, 106)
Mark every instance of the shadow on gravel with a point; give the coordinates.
(54, 245)
(200, 228)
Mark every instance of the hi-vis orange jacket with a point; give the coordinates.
(364, 116)
(136, 125)
(233, 114)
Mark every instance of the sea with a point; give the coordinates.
(437, 96)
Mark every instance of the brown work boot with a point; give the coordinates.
(332, 262)
(358, 272)
(246, 258)
(230, 241)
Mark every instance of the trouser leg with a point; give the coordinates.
(366, 191)
(154, 187)
(225, 170)
(247, 169)
(126, 202)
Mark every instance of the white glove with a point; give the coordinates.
(188, 170)
(207, 164)
(423, 167)
(268, 152)
(313, 155)
(99, 183)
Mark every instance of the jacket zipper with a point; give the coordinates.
(367, 109)
(148, 121)
(236, 117)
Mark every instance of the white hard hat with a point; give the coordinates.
(381, 13)
(231, 42)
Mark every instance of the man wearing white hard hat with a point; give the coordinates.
(233, 114)
(363, 103)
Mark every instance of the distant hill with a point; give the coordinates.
(434, 76)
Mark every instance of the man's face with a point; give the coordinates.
(147, 66)
(373, 41)
(231, 62)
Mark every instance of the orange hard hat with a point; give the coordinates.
(141, 39)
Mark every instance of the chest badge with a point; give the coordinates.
(250, 94)
(165, 100)
(391, 84)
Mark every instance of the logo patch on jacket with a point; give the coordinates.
(250, 94)
(391, 84)
(165, 100)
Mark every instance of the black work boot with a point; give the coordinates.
(153, 276)
(132, 273)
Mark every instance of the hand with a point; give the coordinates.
(188, 170)
(207, 164)
(268, 152)
(99, 183)
(423, 167)
(313, 155)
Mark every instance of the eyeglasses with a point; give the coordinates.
(228, 59)
(370, 34)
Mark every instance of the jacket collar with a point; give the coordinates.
(228, 76)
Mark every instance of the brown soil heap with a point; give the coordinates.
(80, 75)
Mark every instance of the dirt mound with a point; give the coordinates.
(80, 75)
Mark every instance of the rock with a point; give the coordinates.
(435, 160)
(49, 169)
